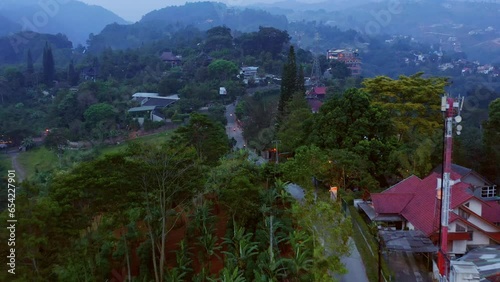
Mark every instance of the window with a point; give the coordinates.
(467, 204)
(489, 191)
(463, 214)
(460, 228)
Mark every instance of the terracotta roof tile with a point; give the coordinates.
(390, 203)
(491, 211)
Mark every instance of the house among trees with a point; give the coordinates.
(413, 204)
(151, 106)
(169, 57)
(317, 92)
(314, 104)
(348, 57)
(249, 74)
(90, 73)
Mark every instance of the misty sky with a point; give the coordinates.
(133, 10)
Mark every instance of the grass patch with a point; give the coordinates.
(38, 160)
(369, 252)
(43, 160)
(152, 139)
(5, 163)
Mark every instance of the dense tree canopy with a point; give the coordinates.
(490, 166)
(206, 136)
(412, 101)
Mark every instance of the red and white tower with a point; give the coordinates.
(451, 107)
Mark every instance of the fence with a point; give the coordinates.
(367, 245)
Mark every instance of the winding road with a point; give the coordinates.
(353, 262)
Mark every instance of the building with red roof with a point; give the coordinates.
(316, 92)
(413, 204)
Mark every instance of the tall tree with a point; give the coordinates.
(297, 124)
(29, 64)
(72, 74)
(412, 101)
(48, 65)
(171, 177)
(206, 136)
(30, 70)
(490, 167)
(351, 122)
(288, 83)
(300, 80)
(218, 38)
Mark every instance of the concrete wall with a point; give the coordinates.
(475, 206)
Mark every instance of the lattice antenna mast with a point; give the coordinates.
(451, 107)
(316, 69)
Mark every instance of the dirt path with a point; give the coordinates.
(20, 172)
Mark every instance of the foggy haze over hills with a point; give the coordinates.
(474, 25)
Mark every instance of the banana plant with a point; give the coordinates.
(241, 247)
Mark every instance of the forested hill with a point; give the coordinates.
(164, 22)
(75, 19)
(205, 15)
(13, 48)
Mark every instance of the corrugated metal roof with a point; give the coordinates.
(142, 109)
(408, 241)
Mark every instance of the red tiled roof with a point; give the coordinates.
(423, 208)
(406, 183)
(390, 203)
(319, 90)
(491, 211)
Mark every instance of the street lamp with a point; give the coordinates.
(277, 152)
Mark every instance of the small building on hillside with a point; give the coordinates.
(314, 104)
(170, 58)
(349, 57)
(89, 73)
(151, 106)
(249, 74)
(318, 92)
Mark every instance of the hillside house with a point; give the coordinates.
(249, 74)
(314, 104)
(89, 73)
(349, 57)
(317, 92)
(413, 204)
(151, 106)
(169, 58)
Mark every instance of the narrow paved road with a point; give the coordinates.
(232, 128)
(354, 265)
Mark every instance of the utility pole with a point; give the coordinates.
(276, 142)
(451, 108)
(379, 257)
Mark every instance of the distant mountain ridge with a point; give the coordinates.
(162, 23)
(72, 18)
(205, 15)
